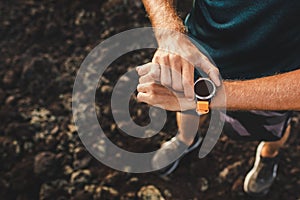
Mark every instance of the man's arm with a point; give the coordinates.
(176, 52)
(277, 92)
(162, 14)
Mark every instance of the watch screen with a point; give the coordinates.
(203, 88)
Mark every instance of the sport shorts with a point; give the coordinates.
(256, 125)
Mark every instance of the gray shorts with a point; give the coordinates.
(256, 125)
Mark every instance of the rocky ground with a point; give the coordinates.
(41, 156)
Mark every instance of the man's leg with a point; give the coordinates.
(260, 178)
(186, 126)
(271, 149)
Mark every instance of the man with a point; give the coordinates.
(255, 44)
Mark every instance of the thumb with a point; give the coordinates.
(214, 75)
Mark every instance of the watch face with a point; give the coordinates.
(204, 89)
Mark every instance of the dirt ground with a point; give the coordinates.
(41, 156)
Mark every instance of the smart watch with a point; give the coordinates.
(204, 90)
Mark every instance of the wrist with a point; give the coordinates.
(219, 100)
(206, 93)
(167, 36)
(192, 105)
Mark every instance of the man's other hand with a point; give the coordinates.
(150, 90)
(177, 56)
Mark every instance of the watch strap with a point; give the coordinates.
(202, 107)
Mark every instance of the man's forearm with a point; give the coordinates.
(278, 92)
(162, 14)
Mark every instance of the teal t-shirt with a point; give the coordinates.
(248, 38)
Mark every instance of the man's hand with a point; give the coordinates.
(177, 53)
(177, 57)
(153, 93)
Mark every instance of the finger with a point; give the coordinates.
(153, 88)
(210, 70)
(214, 75)
(165, 75)
(188, 80)
(145, 87)
(143, 97)
(148, 87)
(162, 58)
(176, 66)
(146, 98)
(146, 79)
(149, 78)
(146, 68)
